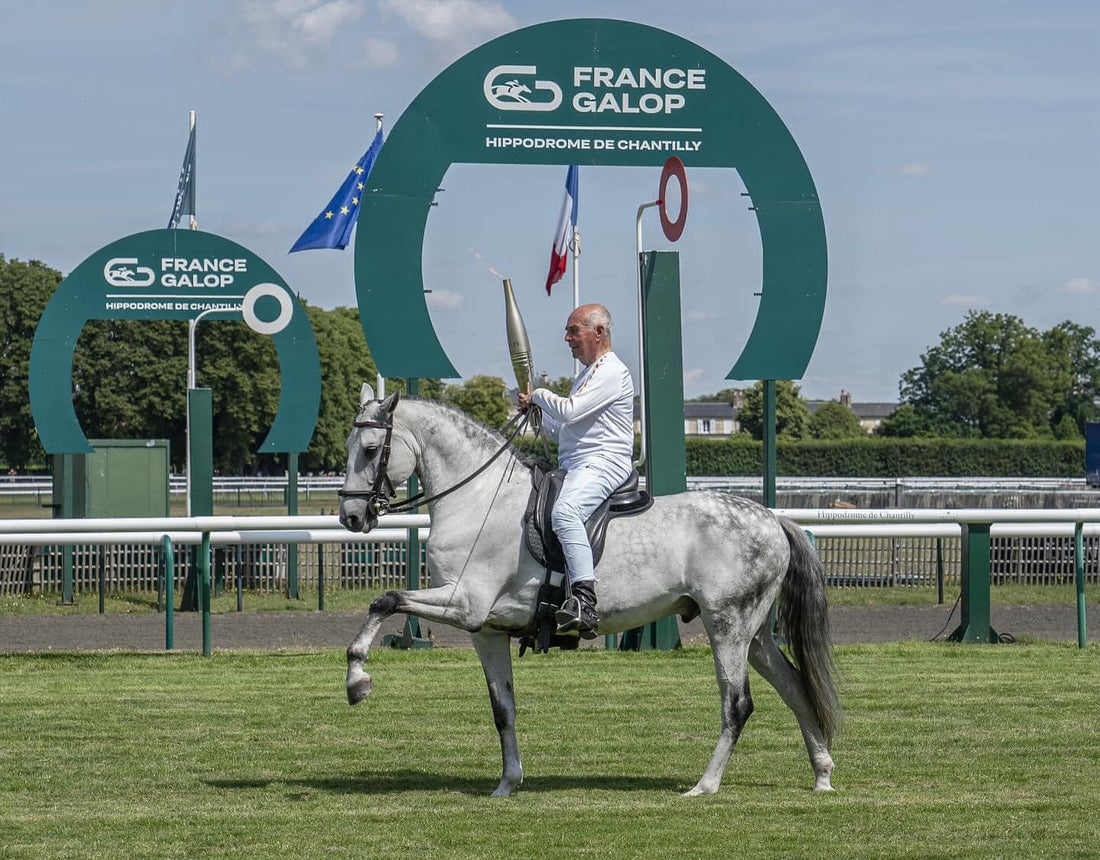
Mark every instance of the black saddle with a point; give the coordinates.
(543, 544)
(541, 540)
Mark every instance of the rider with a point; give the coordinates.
(594, 428)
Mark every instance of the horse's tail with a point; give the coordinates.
(804, 620)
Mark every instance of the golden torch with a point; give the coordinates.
(519, 347)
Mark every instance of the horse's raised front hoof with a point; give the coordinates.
(359, 686)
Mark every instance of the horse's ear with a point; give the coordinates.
(390, 403)
(366, 394)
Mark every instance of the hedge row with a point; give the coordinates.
(877, 457)
(891, 458)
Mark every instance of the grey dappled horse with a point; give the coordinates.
(722, 557)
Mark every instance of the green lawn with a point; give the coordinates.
(947, 751)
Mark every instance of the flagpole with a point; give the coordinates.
(190, 128)
(576, 247)
(191, 325)
(380, 379)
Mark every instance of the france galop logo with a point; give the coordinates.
(511, 94)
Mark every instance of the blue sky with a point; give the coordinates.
(955, 148)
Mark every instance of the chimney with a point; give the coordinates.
(845, 398)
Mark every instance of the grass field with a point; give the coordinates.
(947, 751)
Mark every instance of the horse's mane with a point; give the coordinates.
(476, 429)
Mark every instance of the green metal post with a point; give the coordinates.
(663, 420)
(201, 412)
(292, 510)
(238, 575)
(975, 626)
(1079, 581)
(769, 469)
(65, 463)
(204, 590)
(169, 588)
(102, 577)
(320, 577)
(412, 637)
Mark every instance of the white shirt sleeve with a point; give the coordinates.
(597, 392)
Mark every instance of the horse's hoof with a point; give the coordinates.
(359, 686)
(821, 788)
(700, 790)
(506, 788)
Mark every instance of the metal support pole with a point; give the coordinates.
(238, 571)
(292, 510)
(975, 626)
(1079, 581)
(169, 587)
(102, 579)
(204, 591)
(320, 577)
(939, 571)
(769, 443)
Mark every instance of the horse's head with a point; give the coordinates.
(375, 463)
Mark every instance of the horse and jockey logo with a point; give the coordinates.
(118, 273)
(511, 94)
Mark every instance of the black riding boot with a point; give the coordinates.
(579, 611)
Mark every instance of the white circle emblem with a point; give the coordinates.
(248, 309)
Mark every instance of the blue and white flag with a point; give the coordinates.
(567, 223)
(332, 228)
(185, 191)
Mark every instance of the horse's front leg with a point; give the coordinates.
(495, 653)
(446, 605)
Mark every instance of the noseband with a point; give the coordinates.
(379, 495)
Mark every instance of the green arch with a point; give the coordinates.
(451, 121)
(86, 295)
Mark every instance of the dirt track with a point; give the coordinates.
(310, 630)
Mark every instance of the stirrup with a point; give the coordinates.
(571, 617)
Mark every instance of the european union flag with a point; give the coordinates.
(332, 228)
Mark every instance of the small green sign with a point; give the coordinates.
(173, 274)
(590, 92)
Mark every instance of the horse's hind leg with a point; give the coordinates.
(731, 667)
(777, 670)
(495, 654)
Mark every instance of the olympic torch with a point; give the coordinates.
(519, 347)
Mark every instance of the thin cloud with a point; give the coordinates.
(957, 300)
(445, 300)
(694, 375)
(1079, 286)
(915, 168)
(699, 316)
(298, 33)
(452, 26)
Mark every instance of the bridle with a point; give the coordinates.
(379, 495)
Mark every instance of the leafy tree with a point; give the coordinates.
(482, 397)
(25, 290)
(130, 380)
(1077, 350)
(346, 364)
(791, 415)
(732, 396)
(994, 377)
(902, 422)
(833, 420)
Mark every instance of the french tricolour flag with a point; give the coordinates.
(559, 255)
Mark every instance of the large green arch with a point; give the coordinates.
(725, 122)
(128, 279)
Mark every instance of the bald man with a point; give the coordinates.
(594, 429)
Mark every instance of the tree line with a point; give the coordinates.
(990, 377)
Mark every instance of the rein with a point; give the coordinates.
(380, 503)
